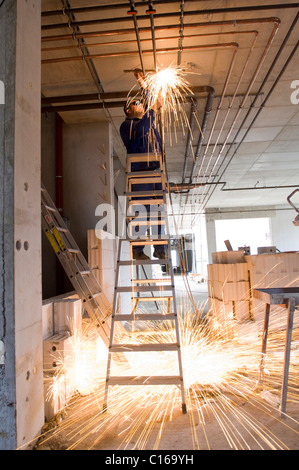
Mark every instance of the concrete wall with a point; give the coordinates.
(285, 235)
(49, 259)
(88, 176)
(21, 379)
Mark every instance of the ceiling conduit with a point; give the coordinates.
(211, 11)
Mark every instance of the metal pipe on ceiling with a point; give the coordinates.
(269, 42)
(193, 110)
(102, 100)
(252, 81)
(207, 112)
(128, 41)
(228, 76)
(151, 11)
(133, 13)
(83, 107)
(227, 113)
(181, 31)
(290, 57)
(133, 53)
(211, 11)
(114, 6)
(88, 35)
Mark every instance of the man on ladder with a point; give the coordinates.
(145, 188)
(140, 135)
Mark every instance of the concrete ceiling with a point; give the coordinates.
(248, 56)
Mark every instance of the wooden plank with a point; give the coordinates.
(145, 173)
(144, 157)
(147, 202)
(158, 192)
(135, 262)
(143, 347)
(146, 380)
(149, 281)
(144, 288)
(146, 317)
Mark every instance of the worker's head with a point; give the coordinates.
(134, 109)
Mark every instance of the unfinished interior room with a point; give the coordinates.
(149, 225)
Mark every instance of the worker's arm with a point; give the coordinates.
(158, 103)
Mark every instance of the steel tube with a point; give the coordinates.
(189, 138)
(211, 11)
(252, 81)
(131, 53)
(87, 35)
(290, 57)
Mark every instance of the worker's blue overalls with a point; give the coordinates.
(141, 136)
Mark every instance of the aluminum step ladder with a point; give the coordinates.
(76, 267)
(161, 289)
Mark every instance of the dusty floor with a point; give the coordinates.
(232, 416)
(249, 426)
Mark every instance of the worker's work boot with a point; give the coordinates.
(140, 256)
(159, 254)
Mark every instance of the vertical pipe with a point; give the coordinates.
(151, 11)
(133, 13)
(59, 164)
(59, 192)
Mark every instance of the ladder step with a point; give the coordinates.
(145, 380)
(50, 208)
(84, 273)
(144, 157)
(146, 241)
(146, 317)
(135, 262)
(144, 288)
(143, 347)
(146, 222)
(145, 174)
(74, 251)
(61, 229)
(142, 180)
(143, 202)
(149, 281)
(157, 192)
(153, 299)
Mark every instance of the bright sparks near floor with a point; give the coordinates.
(220, 374)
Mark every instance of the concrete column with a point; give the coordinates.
(211, 237)
(21, 374)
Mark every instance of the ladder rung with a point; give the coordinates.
(144, 157)
(153, 299)
(50, 208)
(146, 317)
(145, 380)
(61, 229)
(74, 251)
(148, 202)
(143, 261)
(144, 288)
(149, 281)
(146, 241)
(146, 222)
(141, 180)
(84, 273)
(146, 173)
(144, 347)
(158, 192)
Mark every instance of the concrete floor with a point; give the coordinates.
(232, 415)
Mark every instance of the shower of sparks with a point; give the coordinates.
(168, 87)
(220, 373)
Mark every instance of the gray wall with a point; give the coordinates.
(21, 368)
